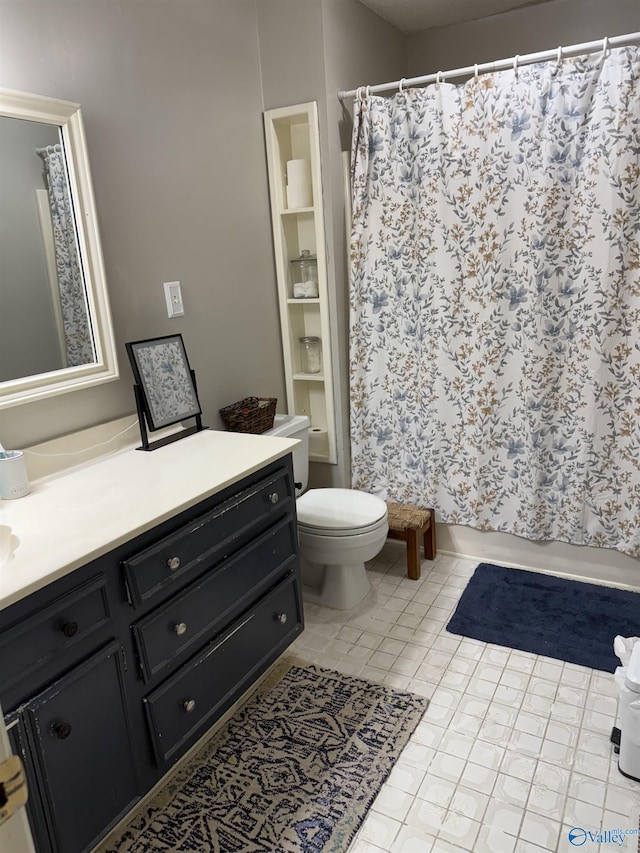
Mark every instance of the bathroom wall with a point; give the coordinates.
(308, 51)
(526, 30)
(171, 96)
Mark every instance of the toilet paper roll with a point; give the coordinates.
(298, 172)
(299, 195)
(318, 440)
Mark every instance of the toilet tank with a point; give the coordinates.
(295, 426)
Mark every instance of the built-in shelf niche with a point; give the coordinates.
(292, 134)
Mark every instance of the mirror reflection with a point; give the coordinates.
(44, 319)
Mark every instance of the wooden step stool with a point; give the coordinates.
(409, 523)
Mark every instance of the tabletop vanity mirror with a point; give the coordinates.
(55, 323)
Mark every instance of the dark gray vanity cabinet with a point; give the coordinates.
(77, 734)
(109, 675)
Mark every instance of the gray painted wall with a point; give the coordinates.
(526, 30)
(307, 51)
(171, 97)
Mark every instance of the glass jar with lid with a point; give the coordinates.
(304, 274)
(310, 354)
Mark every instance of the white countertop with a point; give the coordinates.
(74, 516)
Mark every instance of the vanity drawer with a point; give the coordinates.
(223, 592)
(177, 558)
(180, 709)
(70, 620)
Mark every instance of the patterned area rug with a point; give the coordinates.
(294, 770)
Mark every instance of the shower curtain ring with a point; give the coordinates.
(516, 59)
(401, 86)
(438, 75)
(475, 71)
(367, 94)
(559, 58)
(605, 46)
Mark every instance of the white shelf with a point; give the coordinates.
(308, 377)
(292, 134)
(292, 210)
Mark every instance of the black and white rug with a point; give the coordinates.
(295, 769)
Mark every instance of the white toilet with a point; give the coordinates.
(338, 529)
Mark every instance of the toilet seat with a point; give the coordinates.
(340, 512)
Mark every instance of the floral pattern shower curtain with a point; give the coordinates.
(77, 332)
(495, 300)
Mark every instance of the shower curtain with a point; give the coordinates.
(77, 332)
(495, 300)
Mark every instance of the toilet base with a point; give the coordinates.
(340, 587)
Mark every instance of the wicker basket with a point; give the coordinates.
(253, 414)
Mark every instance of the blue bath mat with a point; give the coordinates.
(558, 618)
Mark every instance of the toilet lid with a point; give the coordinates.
(339, 509)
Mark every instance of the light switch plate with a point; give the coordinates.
(173, 295)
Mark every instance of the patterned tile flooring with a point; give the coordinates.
(514, 749)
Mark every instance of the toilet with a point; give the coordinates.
(338, 529)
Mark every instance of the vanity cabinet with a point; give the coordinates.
(77, 735)
(110, 674)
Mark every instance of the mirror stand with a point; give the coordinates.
(168, 439)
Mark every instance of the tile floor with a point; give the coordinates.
(513, 751)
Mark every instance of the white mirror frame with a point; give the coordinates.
(67, 117)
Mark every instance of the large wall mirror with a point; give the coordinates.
(55, 324)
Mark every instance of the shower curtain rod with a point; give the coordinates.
(499, 65)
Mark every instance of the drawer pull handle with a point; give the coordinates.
(180, 628)
(282, 618)
(273, 498)
(189, 706)
(61, 730)
(70, 629)
(173, 563)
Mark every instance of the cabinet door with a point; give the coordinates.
(79, 734)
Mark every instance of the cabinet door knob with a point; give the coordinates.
(70, 629)
(180, 628)
(273, 498)
(189, 705)
(61, 730)
(173, 563)
(282, 618)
